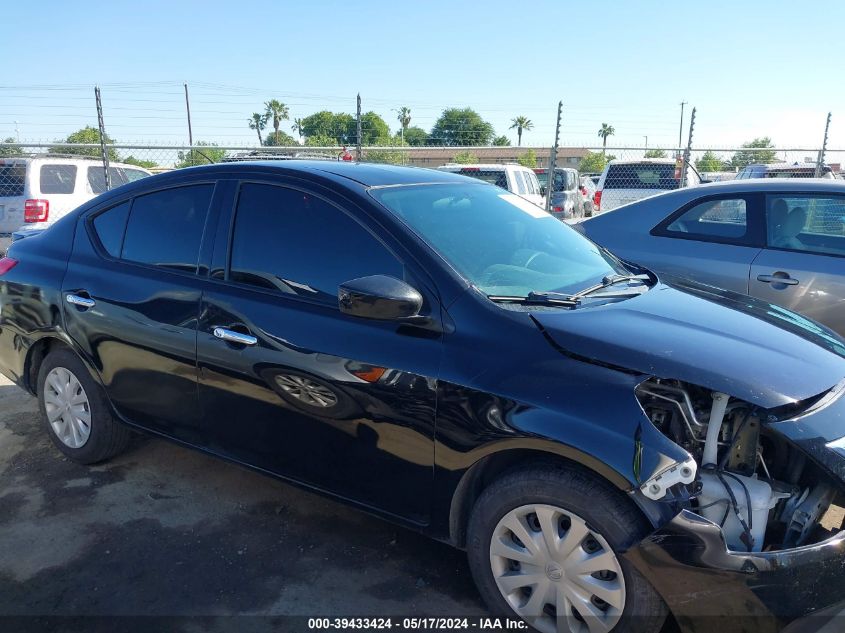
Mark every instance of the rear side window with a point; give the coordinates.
(293, 243)
(810, 224)
(713, 221)
(641, 176)
(12, 179)
(97, 178)
(493, 176)
(165, 228)
(110, 226)
(57, 178)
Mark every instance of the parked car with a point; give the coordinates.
(567, 203)
(588, 191)
(782, 241)
(626, 181)
(43, 189)
(784, 170)
(515, 178)
(446, 355)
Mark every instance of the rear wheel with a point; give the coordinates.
(543, 545)
(75, 411)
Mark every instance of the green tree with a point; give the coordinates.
(404, 117)
(280, 139)
(416, 136)
(321, 140)
(258, 122)
(521, 123)
(205, 154)
(465, 158)
(391, 156)
(592, 163)
(340, 127)
(297, 127)
(709, 162)
(373, 129)
(501, 141)
(760, 150)
(10, 151)
(139, 162)
(87, 135)
(461, 126)
(528, 159)
(655, 153)
(277, 111)
(605, 131)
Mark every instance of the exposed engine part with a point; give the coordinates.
(801, 514)
(656, 487)
(742, 477)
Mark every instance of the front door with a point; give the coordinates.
(288, 383)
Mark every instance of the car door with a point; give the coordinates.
(803, 265)
(132, 299)
(713, 240)
(290, 385)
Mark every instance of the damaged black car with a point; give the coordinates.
(609, 447)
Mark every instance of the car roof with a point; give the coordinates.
(367, 174)
(750, 185)
(637, 161)
(488, 166)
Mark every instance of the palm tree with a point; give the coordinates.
(605, 131)
(258, 122)
(297, 127)
(277, 111)
(404, 117)
(521, 123)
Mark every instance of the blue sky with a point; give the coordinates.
(750, 68)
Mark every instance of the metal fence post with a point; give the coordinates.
(190, 132)
(820, 161)
(103, 148)
(687, 151)
(550, 174)
(358, 132)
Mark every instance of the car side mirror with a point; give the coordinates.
(382, 298)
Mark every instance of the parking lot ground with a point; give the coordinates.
(162, 530)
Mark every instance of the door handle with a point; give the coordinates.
(230, 336)
(82, 302)
(776, 279)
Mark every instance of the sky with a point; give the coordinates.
(752, 68)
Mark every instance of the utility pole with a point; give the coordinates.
(687, 151)
(358, 132)
(645, 136)
(17, 132)
(550, 173)
(102, 127)
(820, 161)
(190, 132)
(681, 127)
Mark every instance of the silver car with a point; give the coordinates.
(781, 240)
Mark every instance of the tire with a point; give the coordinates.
(98, 440)
(591, 522)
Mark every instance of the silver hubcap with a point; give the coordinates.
(306, 391)
(68, 410)
(555, 572)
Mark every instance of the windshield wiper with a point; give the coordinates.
(607, 282)
(537, 298)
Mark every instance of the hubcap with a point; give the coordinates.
(67, 406)
(307, 391)
(555, 572)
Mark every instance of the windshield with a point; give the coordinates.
(498, 241)
(560, 180)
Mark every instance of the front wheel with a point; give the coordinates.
(543, 545)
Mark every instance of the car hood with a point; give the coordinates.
(749, 349)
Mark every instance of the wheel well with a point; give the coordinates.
(487, 470)
(36, 355)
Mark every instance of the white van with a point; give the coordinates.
(515, 178)
(625, 181)
(41, 190)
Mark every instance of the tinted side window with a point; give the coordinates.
(110, 226)
(294, 243)
(97, 178)
(165, 228)
(713, 220)
(57, 178)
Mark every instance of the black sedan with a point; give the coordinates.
(607, 447)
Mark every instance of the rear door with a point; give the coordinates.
(803, 265)
(712, 240)
(132, 298)
(342, 404)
